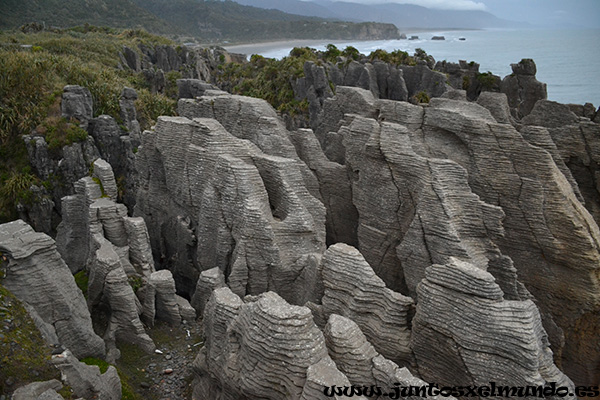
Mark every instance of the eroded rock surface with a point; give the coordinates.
(212, 199)
(37, 276)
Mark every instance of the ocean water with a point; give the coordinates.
(568, 61)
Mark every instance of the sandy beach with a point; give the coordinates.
(263, 47)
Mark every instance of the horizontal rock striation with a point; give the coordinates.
(37, 276)
(451, 180)
(268, 349)
(354, 291)
(577, 141)
(465, 333)
(211, 199)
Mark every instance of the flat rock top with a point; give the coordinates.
(20, 240)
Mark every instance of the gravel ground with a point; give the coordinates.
(167, 374)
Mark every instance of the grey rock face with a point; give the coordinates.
(497, 104)
(108, 283)
(131, 58)
(104, 173)
(208, 281)
(129, 113)
(532, 183)
(39, 212)
(38, 276)
(522, 88)
(460, 184)
(350, 350)
(353, 290)
(77, 103)
(335, 188)
(465, 333)
(420, 78)
(166, 302)
(86, 380)
(259, 221)
(36, 389)
(97, 234)
(72, 239)
(578, 144)
(138, 240)
(192, 88)
(270, 345)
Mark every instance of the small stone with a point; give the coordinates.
(168, 357)
(157, 351)
(9, 381)
(145, 385)
(168, 371)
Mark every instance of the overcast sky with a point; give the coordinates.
(584, 13)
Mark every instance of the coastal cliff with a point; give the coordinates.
(418, 223)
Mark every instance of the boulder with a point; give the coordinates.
(86, 380)
(35, 390)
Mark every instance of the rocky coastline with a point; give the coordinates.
(420, 224)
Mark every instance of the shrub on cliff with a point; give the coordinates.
(31, 83)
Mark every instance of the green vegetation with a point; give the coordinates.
(113, 13)
(421, 97)
(397, 57)
(81, 279)
(24, 356)
(135, 282)
(59, 132)
(270, 79)
(30, 97)
(487, 80)
(466, 83)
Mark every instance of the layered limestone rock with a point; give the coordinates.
(108, 284)
(354, 291)
(350, 350)
(77, 103)
(37, 276)
(140, 253)
(269, 347)
(466, 333)
(210, 199)
(549, 234)
(208, 281)
(72, 238)
(522, 88)
(165, 300)
(577, 141)
(335, 188)
(448, 180)
(104, 173)
(35, 390)
(97, 235)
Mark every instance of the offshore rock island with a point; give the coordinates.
(410, 222)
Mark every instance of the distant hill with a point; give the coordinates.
(402, 15)
(209, 20)
(229, 20)
(62, 14)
